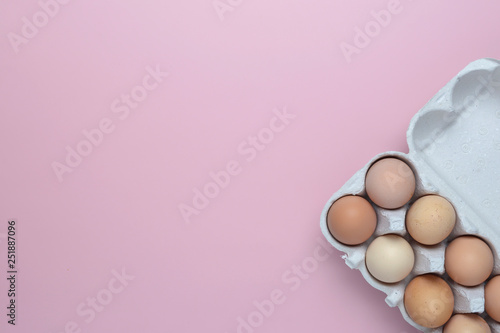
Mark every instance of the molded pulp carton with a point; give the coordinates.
(454, 151)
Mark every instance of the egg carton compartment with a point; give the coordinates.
(454, 143)
(495, 326)
(428, 259)
(391, 222)
(468, 299)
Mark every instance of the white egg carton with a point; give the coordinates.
(454, 151)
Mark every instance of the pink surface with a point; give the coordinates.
(117, 211)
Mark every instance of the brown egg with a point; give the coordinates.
(468, 261)
(429, 300)
(492, 298)
(430, 219)
(352, 220)
(390, 183)
(467, 323)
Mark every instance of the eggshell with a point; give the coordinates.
(467, 323)
(430, 219)
(453, 142)
(352, 220)
(492, 298)
(390, 258)
(468, 261)
(390, 183)
(429, 300)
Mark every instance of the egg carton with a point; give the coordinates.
(454, 152)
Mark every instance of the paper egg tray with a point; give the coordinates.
(454, 151)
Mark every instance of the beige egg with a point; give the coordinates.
(492, 298)
(467, 323)
(390, 183)
(468, 261)
(390, 258)
(430, 219)
(352, 220)
(429, 300)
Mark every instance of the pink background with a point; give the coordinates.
(119, 209)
